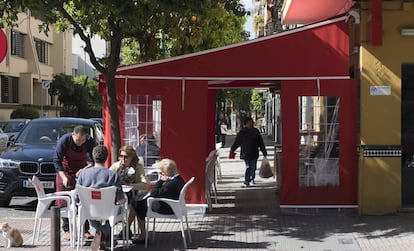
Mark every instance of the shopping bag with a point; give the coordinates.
(265, 169)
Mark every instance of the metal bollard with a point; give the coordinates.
(55, 229)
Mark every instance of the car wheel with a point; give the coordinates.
(5, 202)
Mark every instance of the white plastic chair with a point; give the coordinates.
(211, 178)
(99, 204)
(180, 213)
(43, 209)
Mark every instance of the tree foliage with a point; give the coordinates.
(94, 97)
(257, 102)
(73, 95)
(238, 98)
(25, 112)
(111, 20)
(158, 28)
(219, 23)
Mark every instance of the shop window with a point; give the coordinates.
(42, 51)
(143, 126)
(9, 89)
(17, 44)
(318, 141)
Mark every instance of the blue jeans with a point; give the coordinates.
(250, 172)
(104, 229)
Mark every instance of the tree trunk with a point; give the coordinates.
(114, 116)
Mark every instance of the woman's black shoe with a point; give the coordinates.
(120, 234)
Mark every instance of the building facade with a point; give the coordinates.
(31, 61)
(382, 62)
(384, 43)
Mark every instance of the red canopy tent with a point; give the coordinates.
(310, 60)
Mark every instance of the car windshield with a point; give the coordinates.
(46, 132)
(12, 126)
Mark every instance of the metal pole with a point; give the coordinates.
(41, 104)
(55, 229)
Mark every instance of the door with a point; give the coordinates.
(318, 129)
(407, 134)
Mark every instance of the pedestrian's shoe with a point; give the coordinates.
(87, 236)
(246, 183)
(252, 183)
(96, 243)
(66, 236)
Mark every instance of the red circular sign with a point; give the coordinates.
(3, 45)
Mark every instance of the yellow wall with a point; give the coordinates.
(380, 116)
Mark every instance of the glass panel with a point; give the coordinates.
(143, 126)
(319, 141)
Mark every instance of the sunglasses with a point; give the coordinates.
(123, 156)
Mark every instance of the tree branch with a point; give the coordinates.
(79, 30)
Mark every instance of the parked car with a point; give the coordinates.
(32, 154)
(4, 139)
(100, 120)
(13, 127)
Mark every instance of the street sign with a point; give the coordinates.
(45, 84)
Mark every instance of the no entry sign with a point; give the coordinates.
(3, 45)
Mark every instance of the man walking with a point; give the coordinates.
(250, 140)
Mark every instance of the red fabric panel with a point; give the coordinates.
(375, 22)
(183, 131)
(283, 54)
(344, 194)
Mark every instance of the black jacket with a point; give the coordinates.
(166, 189)
(250, 140)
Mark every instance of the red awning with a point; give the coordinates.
(316, 50)
(318, 53)
(310, 11)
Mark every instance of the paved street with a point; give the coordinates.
(250, 219)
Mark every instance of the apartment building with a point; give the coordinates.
(32, 59)
(267, 16)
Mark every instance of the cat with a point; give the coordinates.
(13, 235)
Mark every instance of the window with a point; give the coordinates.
(42, 51)
(17, 44)
(143, 126)
(9, 89)
(318, 141)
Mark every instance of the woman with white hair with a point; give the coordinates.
(168, 186)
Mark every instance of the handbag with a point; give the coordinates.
(265, 169)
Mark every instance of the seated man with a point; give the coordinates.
(98, 177)
(168, 186)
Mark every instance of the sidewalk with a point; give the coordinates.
(250, 219)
